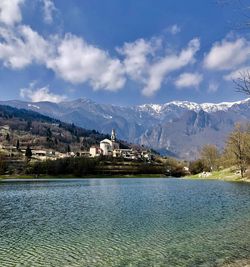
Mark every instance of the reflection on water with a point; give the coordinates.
(124, 222)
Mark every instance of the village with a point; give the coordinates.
(107, 148)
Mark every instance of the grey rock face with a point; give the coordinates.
(178, 128)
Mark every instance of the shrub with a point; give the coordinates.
(197, 166)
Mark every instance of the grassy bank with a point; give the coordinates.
(229, 174)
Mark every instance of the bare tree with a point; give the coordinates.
(240, 21)
(210, 156)
(239, 145)
(243, 83)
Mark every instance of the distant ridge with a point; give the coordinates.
(208, 107)
(177, 128)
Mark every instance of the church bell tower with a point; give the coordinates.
(113, 135)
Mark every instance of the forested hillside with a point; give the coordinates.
(39, 131)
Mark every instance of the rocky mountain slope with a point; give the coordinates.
(178, 128)
(39, 131)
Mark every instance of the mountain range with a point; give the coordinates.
(42, 132)
(177, 128)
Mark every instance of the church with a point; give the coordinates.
(108, 146)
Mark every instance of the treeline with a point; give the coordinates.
(80, 167)
(236, 153)
(68, 166)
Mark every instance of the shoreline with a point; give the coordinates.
(225, 179)
(227, 175)
(5, 178)
(26, 178)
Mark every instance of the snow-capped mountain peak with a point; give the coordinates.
(224, 106)
(208, 107)
(157, 108)
(185, 104)
(177, 126)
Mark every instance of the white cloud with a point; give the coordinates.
(22, 47)
(188, 80)
(227, 55)
(174, 29)
(167, 64)
(48, 9)
(77, 62)
(143, 63)
(213, 87)
(234, 75)
(10, 11)
(136, 55)
(41, 94)
(71, 58)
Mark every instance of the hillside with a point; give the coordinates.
(178, 128)
(40, 131)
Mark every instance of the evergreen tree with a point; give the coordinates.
(17, 144)
(8, 137)
(49, 135)
(28, 126)
(56, 141)
(28, 152)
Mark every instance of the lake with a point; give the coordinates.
(124, 222)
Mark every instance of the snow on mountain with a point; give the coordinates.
(224, 106)
(34, 106)
(208, 107)
(180, 128)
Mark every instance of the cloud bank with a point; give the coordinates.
(76, 61)
(149, 63)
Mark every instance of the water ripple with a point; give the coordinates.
(99, 223)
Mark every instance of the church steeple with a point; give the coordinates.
(113, 135)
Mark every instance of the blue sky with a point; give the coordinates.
(121, 52)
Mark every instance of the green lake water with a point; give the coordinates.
(124, 222)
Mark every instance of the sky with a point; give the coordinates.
(123, 52)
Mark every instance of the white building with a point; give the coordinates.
(108, 146)
(95, 151)
(125, 153)
(39, 154)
